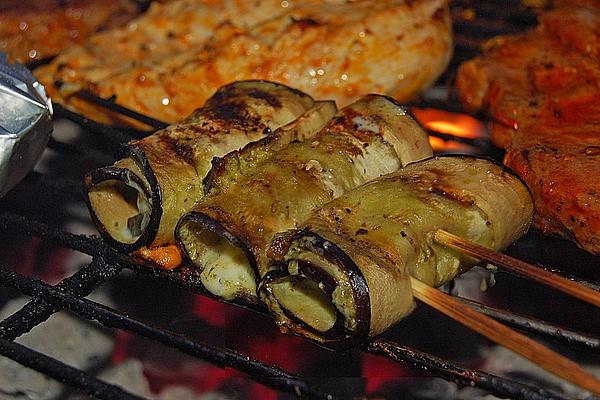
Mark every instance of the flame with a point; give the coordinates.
(455, 124)
(439, 144)
(450, 128)
(452, 124)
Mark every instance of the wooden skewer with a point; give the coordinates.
(537, 274)
(505, 336)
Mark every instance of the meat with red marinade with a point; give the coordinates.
(542, 91)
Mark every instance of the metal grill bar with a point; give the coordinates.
(86, 244)
(431, 364)
(113, 138)
(82, 283)
(63, 372)
(522, 322)
(62, 187)
(82, 154)
(109, 104)
(269, 375)
(591, 284)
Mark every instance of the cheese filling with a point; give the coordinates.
(306, 297)
(225, 270)
(122, 207)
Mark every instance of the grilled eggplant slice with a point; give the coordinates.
(345, 273)
(138, 201)
(227, 234)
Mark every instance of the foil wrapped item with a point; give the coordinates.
(25, 122)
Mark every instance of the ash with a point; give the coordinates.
(75, 342)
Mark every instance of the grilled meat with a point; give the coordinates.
(265, 189)
(32, 30)
(542, 90)
(346, 270)
(167, 62)
(137, 201)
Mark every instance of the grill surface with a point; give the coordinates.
(57, 190)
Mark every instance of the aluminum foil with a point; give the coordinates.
(25, 122)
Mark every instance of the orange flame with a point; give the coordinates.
(453, 124)
(439, 145)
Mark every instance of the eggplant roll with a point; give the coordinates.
(264, 189)
(345, 273)
(137, 201)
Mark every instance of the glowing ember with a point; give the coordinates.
(379, 371)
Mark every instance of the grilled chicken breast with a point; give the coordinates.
(542, 89)
(167, 62)
(32, 30)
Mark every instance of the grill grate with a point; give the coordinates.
(263, 373)
(107, 264)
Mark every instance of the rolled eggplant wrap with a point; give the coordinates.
(345, 272)
(137, 201)
(227, 234)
